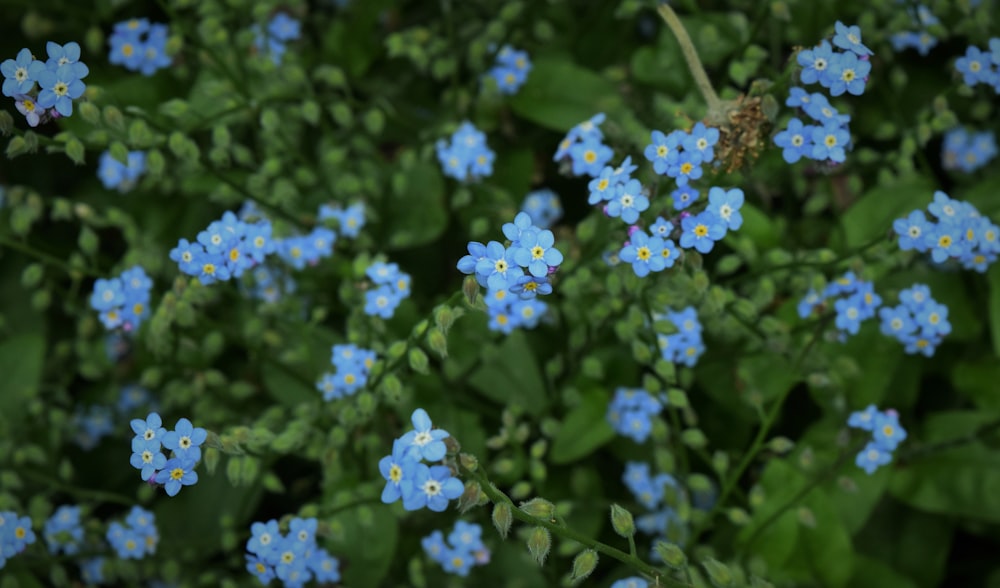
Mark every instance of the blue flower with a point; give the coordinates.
(628, 202)
(664, 150)
(849, 38)
(896, 322)
(829, 142)
(146, 457)
(177, 472)
(864, 419)
(684, 196)
(849, 74)
(433, 487)
(686, 167)
(107, 294)
(975, 67)
(726, 205)
(381, 302)
(59, 89)
(398, 471)
(589, 157)
(797, 97)
(871, 457)
(68, 54)
(63, 531)
(18, 79)
(701, 141)
(602, 188)
(284, 27)
(911, 231)
(92, 571)
(467, 264)
(808, 303)
(544, 208)
(644, 253)
(264, 537)
(795, 141)
(701, 231)
(425, 441)
(887, 432)
(498, 268)
(527, 287)
(185, 441)
(815, 62)
(259, 568)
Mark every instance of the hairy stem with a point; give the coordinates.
(694, 62)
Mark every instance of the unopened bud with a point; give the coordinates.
(671, 555)
(539, 544)
(539, 508)
(468, 461)
(502, 518)
(583, 565)
(718, 573)
(622, 521)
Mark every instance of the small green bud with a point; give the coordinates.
(520, 490)
(699, 483)
(781, 445)
(89, 112)
(75, 151)
(694, 438)
(114, 118)
(468, 461)
(418, 361)
(32, 275)
(87, 240)
(502, 518)
(16, 146)
(539, 508)
(539, 544)
(420, 328)
(396, 351)
(718, 573)
(738, 516)
(677, 398)
(155, 163)
(583, 565)
(671, 555)
(234, 469)
(444, 317)
(374, 121)
(538, 449)
(392, 388)
(211, 456)
(470, 287)
(250, 470)
(806, 517)
(6, 122)
(342, 114)
(311, 112)
(720, 461)
(438, 342)
(622, 521)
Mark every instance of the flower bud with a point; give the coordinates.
(539, 508)
(583, 565)
(718, 573)
(671, 555)
(502, 518)
(539, 544)
(622, 521)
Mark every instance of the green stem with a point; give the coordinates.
(496, 496)
(715, 108)
(74, 272)
(924, 450)
(758, 442)
(99, 495)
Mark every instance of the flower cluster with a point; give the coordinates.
(980, 67)
(406, 475)
(967, 152)
(351, 219)
(960, 233)
(225, 249)
(184, 442)
(139, 46)
(137, 538)
(651, 492)
(838, 71)
(522, 268)
(63, 531)
(919, 322)
(280, 31)
(123, 302)
(856, 301)
(15, 535)
(680, 155)
(887, 434)
(294, 558)
(620, 195)
(583, 148)
(299, 251)
(511, 69)
(464, 548)
(543, 207)
(351, 374)
(59, 80)
(116, 175)
(392, 286)
(466, 156)
(921, 40)
(702, 230)
(826, 140)
(268, 284)
(648, 253)
(630, 413)
(686, 345)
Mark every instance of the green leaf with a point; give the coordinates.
(21, 359)
(422, 197)
(959, 482)
(872, 573)
(367, 538)
(993, 278)
(583, 430)
(285, 387)
(560, 94)
(512, 376)
(776, 543)
(873, 213)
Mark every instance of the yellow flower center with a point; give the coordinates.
(686, 168)
(176, 473)
(830, 141)
(537, 252)
(395, 473)
(944, 241)
(643, 253)
(208, 268)
(60, 89)
(661, 150)
(589, 156)
(128, 50)
(701, 230)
